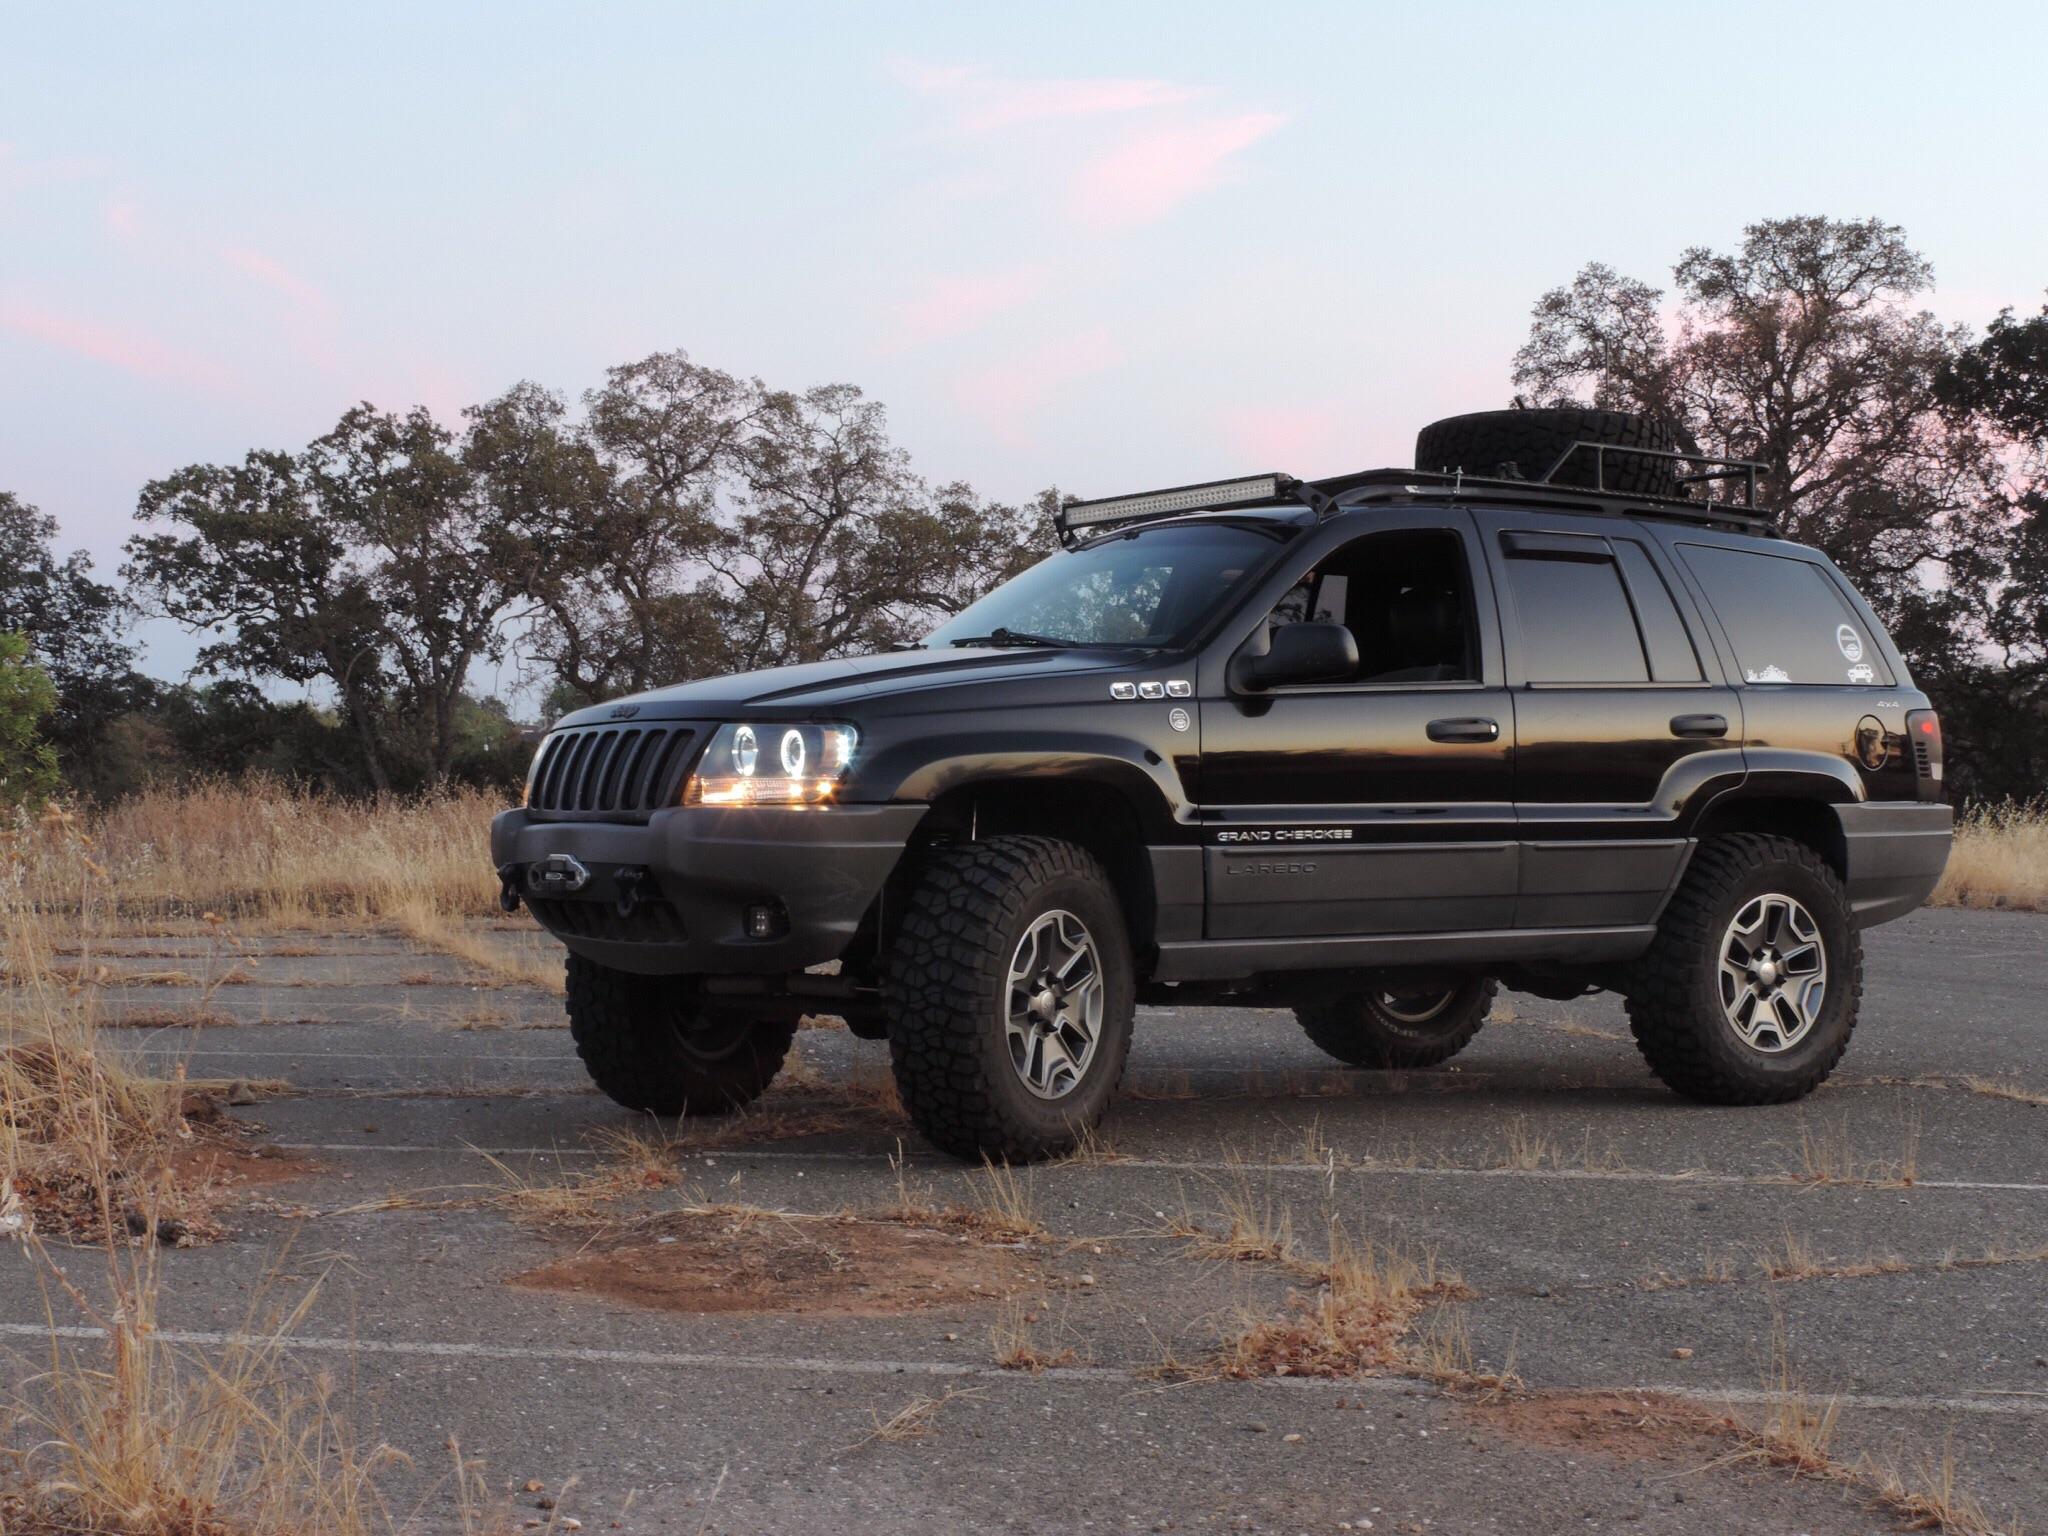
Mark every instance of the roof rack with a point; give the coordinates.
(1078, 519)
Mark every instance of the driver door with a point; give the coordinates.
(1381, 803)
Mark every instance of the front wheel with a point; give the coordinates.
(1400, 1023)
(1010, 997)
(1749, 993)
(649, 1045)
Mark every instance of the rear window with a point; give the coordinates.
(1786, 618)
(1577, 626)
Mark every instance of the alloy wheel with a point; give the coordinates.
(1055, 1003)
(1773, 973)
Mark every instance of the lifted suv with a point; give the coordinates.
(1543, 713)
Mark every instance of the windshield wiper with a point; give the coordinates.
(1002, 636)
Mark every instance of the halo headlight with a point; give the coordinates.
(813, 760)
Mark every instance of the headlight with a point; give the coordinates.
(772, 765)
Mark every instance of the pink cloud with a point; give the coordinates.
(273, 273)
(131, 351)
(1149, 175)
(123, 218)
(310, 327)
(952, 306)
(1005, 397)
(987, 102)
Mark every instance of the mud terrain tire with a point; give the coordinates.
(648, 1045)
(1523, 445)
(1676, 1004)
(950, 1000)
(1374, 1029)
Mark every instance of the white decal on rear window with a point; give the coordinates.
(1863, 673)
(1770, 672)
(1850, 642)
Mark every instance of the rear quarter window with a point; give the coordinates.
(1786, 619)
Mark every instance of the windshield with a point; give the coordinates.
(1143, 589)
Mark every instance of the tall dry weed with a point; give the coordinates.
(2000, 858)
(263, 851)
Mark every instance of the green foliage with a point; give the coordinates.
(28, 763)
(739, 527)
(690, 523)
(1992, 676)
(75, 627)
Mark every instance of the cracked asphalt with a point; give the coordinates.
(1614, 1240)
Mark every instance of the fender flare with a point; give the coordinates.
(940, 765)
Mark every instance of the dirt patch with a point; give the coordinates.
(224, 1169)
(1632, 1426)
(744, 1260)
(181, 1201)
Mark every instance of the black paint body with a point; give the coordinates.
(1491, 822)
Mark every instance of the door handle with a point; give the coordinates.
(1699, 725)
(1470, 728)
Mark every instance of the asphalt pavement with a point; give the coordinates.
(1611, 1241)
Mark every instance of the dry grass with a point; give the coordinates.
(125, 1432)
(913, 1421)
(1356, 1321)
(1014, 1342)
(1525, 1150)
(2000, 858)
(2003, 1088)
(1924, 1494)
(432, 928)
(84, 1137)
(128, 1433)
(1256, 1226)
(257, 851)
(2008, 1087)
(1828, 1155)
(1793, 1258)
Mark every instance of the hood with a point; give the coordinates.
(824, 685)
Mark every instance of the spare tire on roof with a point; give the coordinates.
(1524, 445)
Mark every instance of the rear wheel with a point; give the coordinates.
(1400, 1024)
(1010, 997)
(648, 1043)
(1749, 994)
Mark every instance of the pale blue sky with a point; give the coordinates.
(1110, 245)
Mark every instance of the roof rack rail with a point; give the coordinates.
(1079, 518)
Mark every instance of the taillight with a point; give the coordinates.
(1923, 730)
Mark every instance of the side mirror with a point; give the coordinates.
(1299, 653)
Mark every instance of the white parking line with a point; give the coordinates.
(1198, 1165)
(2025, 1407)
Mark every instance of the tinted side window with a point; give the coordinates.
(1576, 624)
(1786, 619)
(1672, 658)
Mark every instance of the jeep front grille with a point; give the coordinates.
(620, 772)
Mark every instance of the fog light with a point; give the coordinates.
(766, 921)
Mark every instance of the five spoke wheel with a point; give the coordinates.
(1773, 973)
(1055, 1004)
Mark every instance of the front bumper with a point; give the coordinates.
(669, 897)
(1893, 853)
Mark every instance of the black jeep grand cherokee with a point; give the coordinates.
(1544, 712)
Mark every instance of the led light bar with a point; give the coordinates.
(1181, 498)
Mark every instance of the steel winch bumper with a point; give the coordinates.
(704, 890)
